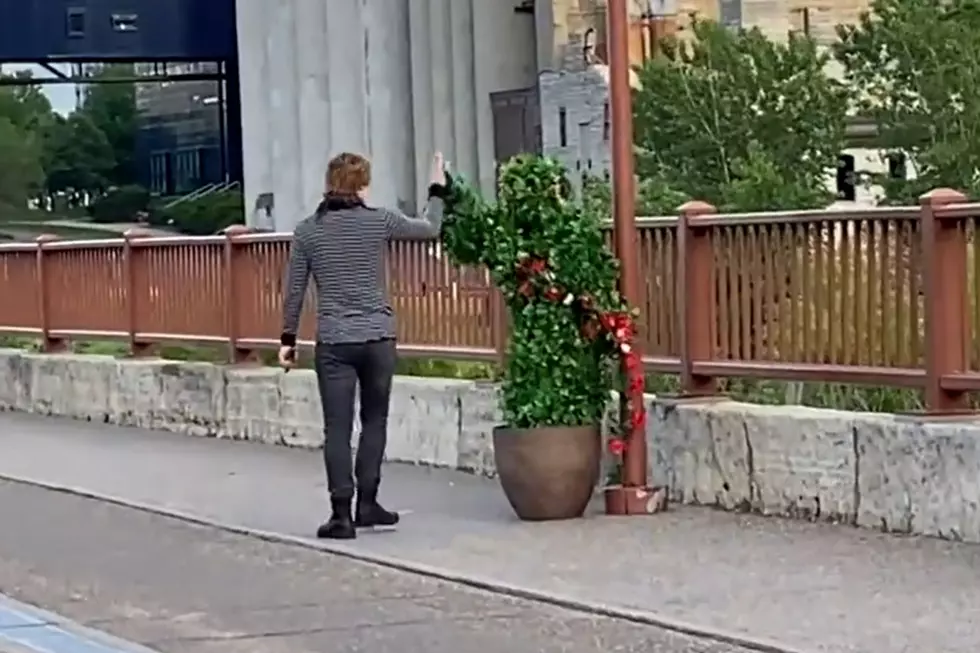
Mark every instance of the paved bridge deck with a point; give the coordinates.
(809, 587)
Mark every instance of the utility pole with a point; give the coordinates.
(633, 497)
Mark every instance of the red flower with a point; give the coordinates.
(617, 446)
(608, 321)
(538, 265)
(638, 418)
(632, 362)
(526, 289)
(636, 384)
(553, 294)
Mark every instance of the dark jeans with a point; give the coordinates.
(339, 370)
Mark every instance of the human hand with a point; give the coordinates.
(287, 357)
(438, 176)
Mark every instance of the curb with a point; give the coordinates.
(642, 617)
(48, 621)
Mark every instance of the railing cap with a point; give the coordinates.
(694, 208)
(236, 230)
(941, 197)
(46, 238)
(136, 232)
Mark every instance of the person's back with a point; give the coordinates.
(346, 248)
(343, 246)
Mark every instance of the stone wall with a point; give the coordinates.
(875, 471)
(576, 102)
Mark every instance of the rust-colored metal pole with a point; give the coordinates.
(49, 344)
(130, 272)
(624, 221)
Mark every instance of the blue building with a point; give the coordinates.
(191, 129)
(183, 135)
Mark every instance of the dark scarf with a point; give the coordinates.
(336, 202)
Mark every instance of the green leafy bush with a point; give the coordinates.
(206, 215)
(120, 205)
(547, 256)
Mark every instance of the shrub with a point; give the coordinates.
(120, 204)
(205, 215)
(569, 327)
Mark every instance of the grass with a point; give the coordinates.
(818, 395)
(423, 367)
(23, 224)
(24, 231)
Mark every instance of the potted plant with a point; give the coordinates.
(571, 334)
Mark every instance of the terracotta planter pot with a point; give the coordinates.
(550, 472)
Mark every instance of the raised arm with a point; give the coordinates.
(296, 281)
(465, 233)
(402, 227)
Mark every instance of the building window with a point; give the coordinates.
(897, 165)
(562, 127)
(75, 22)
(159, 173)
(606, 123)
(846, 178)
(125, 22)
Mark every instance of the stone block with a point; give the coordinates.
(424, 421)
(919, 478)
(300, 411)
(803, 461)
(252, 404)
(67, 385)
(479, 414)
(14, 380)
(701, 452)
(182, 397)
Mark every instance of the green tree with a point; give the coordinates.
(654, 197)
(916, 64)
(21, 175)
(729, 110)
(111, 107)
(77, 155)
(24, 114)
(25, 105)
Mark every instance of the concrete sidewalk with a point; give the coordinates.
(808, 587)
(173, 587)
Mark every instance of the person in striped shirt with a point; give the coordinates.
(343, 247)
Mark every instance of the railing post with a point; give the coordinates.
(236, 353)
(696, 293)
(49, 344)
(944, 286)
(137, 349)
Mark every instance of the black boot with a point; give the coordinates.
(339, 526)
(370, 513)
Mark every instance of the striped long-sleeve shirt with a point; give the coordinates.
(343, 247)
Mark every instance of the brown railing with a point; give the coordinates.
(879, 296)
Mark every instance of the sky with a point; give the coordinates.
(62, 96)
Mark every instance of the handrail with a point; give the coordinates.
(870, 295)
